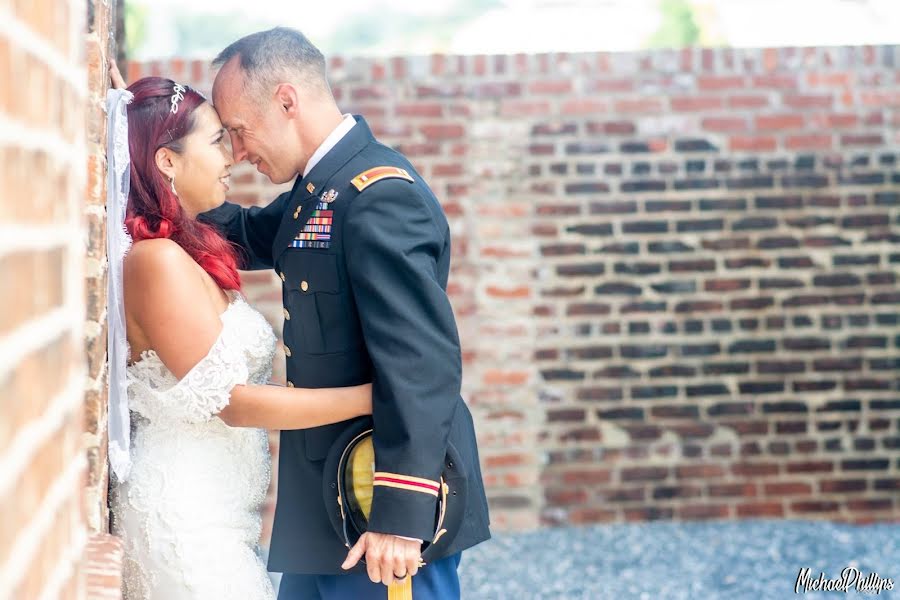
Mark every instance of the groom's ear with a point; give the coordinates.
(286, 96)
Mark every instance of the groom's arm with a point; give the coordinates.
(393, 243)
(252, 229)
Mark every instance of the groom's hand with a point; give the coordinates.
(388, 557)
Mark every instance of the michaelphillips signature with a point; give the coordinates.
(850, 577)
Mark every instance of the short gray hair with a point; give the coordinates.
(270, 57)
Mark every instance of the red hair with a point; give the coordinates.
(153, 210)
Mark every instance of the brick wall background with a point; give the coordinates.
(674, 273)
(103, 557)
(52, 335)
(42, 306)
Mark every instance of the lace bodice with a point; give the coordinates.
(241, 354)
(189, 511)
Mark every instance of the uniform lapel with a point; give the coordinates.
(302, 204)
(316, 180)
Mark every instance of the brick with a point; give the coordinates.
(724, 204)
(646, 227)
(644, 185)
(707, 389)
(649, 513)
(588, 309)
(625, 413)
(814, 506)
(638, 105)
(497, 377)
(420, 109)
(805, 181)
(751, 346)
(637, 268)
(675, 412)
(867, 464)
(779, 122)
(580, 270)
(695, 145)
(652, 351)
(695, 103)
(649, 392)
(752, 144)
(812, 141)
(591, 515)
(551, 87)
(675, 287)
(644, 473)
(696, 184)
(870, 139)
(760, 509)
(787, 488)
(701, 306)
(562, 375)
(837, 364)
(700, 225)
(724, 124)
(705, 349)
(582, 107)
(442, 131)
(775, 81)
(808, 101)
(686, 266)
(600, 394)
(667, 205)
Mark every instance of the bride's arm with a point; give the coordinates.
(173, 314)
(276, 407)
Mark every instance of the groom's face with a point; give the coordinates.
(257, 132)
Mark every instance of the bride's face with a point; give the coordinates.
(203, 169)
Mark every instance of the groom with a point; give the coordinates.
(363, 250)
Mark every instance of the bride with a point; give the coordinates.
(189, 404)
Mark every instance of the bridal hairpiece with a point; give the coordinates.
(177, 96)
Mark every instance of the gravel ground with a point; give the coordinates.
(753, 560)
(746, 559)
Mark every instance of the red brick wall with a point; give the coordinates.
(674, 273)
(103, 556)
(42, 466)
(52, 236)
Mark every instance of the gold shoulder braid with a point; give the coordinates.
(376, 174)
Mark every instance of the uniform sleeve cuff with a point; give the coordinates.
(403, 513)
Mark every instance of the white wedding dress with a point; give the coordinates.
(189, 511)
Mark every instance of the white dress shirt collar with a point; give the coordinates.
(330, 142)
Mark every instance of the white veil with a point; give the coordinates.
(117, 244)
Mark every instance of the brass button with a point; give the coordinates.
(287, 351)
(290, 384)
(287, 315)
(304, 286)
(283, 278)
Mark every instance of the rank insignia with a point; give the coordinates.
(367, 178)
(329, 196)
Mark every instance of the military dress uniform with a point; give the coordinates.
(362, 248)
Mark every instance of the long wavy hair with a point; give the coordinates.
(153, 210)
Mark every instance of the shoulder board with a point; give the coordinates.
(367, 178)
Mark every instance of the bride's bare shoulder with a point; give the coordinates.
(155, 249)
(160, 262)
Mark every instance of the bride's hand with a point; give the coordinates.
(118, 82)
